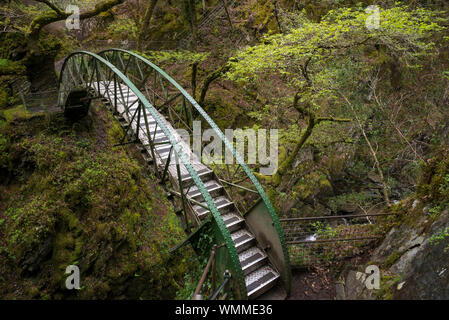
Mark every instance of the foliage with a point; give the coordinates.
(355, 198)
(317, 54)
(10, 67)
(321, 62)
(433, 185)
(403, 31)
(123, 28)
(333, 252)
(439, 236)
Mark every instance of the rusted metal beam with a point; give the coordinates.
(349, 216)
(332, 240)
(237, 186)
(206, 270)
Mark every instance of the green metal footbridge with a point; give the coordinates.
(249, 253)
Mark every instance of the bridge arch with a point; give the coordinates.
(122, 78)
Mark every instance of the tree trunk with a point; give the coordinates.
(373, 153)
(228, 16)
(313, 120)
(287, 163)
(194, 74)
(145, 25)
(190, 15)
(211, 77)
(194, 24)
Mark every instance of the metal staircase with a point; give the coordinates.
(256, 265)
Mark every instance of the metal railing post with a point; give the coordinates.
(206, 270)
(178, 170)
(224, 285)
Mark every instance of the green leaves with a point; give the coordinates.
(123, 28)
(402, 30)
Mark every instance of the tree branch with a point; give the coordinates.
(373, 153)
(57, 15)
(211, 77)
(332, 119)
(52, 6)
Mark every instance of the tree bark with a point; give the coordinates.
(190, 15)
(276, 16)
(194, 24)
(58, 14)
(313, 120)
(209, 79)
(194, 74)
(145, 24)
(373, 153)
(227, 14)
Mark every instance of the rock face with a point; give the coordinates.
(413, 262)
(353, 288)
(413, 258)
(425, 268)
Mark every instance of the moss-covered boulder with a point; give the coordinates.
(67, 197)
(413, 257)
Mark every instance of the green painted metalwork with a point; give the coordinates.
(286, 273)
(259, 221)
(78, 58)
(82, 68)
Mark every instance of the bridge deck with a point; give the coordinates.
(162, 144)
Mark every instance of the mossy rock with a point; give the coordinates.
(8, 67)
(82, 202)
(315, 184)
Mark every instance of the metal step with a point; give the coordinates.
(159, 132)
(233, 221)
(243, 239)
(158, 137)
(161, 139)
(205, 174)
(212, 186)
(223, 205)
(128, 99)
(164, 156)
(260, 281)
(252, 259)
(150, 119)
(162, 149)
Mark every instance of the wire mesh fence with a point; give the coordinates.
(329, 239)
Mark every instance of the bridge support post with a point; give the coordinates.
(115, 93)
(181, 190)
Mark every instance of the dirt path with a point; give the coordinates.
(315, 284)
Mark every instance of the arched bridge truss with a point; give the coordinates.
(150, 104)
